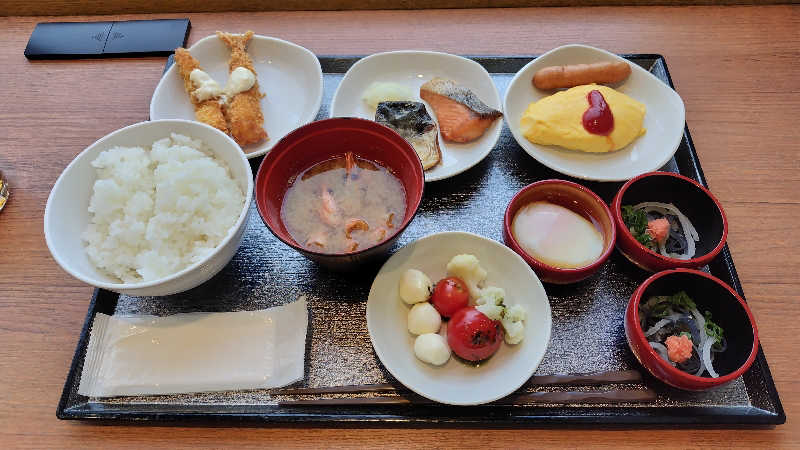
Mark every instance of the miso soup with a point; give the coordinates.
(343, 205)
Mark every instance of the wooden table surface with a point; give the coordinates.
(735, 67)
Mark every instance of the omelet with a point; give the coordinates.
(558, 120)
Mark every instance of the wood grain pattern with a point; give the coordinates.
(735, 68)
(94, 7)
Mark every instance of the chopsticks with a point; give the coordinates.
(560, 397)
(609, 377)
(584, 379)
(557, 397)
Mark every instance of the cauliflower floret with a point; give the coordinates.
(516, 313)
(490, 302)
(491, 295)
(469, 270)
(513, 323)
(494, 312)
(515, 331)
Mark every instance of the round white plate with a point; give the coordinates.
(289, 75)
(413, 69)
(455, 382)
(664, 120)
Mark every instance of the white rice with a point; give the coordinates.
(155, 212)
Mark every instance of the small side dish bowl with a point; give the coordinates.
(697, 203)
(66, 215)
(727, 309)
(455, 382)
(320, 141)
(576, 198)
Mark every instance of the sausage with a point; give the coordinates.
(555, 77)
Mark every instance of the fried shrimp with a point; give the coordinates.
(209, 110)
(243, 110)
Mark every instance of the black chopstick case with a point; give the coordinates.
(69, 40)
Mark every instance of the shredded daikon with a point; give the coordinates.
(705, 357)
(661, 323)
(702, 364)
(675, 315)
(689, 232)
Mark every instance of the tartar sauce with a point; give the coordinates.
(205, 86)
(240, 80)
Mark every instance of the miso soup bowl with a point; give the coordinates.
(728, 310)
(574, 197)
(693, 200)
(323, 140)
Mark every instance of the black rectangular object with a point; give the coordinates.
(264, 270)
(146, 37)
(66, 40)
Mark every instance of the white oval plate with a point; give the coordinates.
(664, 120)
(413, 69)
(455, 382)
(289, 75)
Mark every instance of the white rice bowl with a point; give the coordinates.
(155, 212)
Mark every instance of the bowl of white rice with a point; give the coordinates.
(154, 208)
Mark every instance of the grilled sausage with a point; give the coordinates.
(555, 77)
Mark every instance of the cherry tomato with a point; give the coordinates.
(473, 336)
(450, 295)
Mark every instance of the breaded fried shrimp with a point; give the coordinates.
(209, 110)
(243, 110)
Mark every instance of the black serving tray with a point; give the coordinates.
(587, 332)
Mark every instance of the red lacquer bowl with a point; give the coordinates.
(323, 140)
(728, 310)
(693, 200)
(576, 198)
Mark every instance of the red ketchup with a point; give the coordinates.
(598, 118)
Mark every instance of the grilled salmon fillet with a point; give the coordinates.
(462, 116)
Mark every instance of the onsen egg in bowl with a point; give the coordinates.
(340, 191)
(563, 230)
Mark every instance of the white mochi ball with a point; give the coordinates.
(423, 318)
(432, 349)
(415, 286)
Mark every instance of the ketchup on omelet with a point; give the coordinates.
(598, 118)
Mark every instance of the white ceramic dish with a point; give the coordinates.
(664, 120)
(455, 382)
(413, 69)
(66, 214)
(289, 75)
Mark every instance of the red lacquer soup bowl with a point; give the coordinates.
(321, 141)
